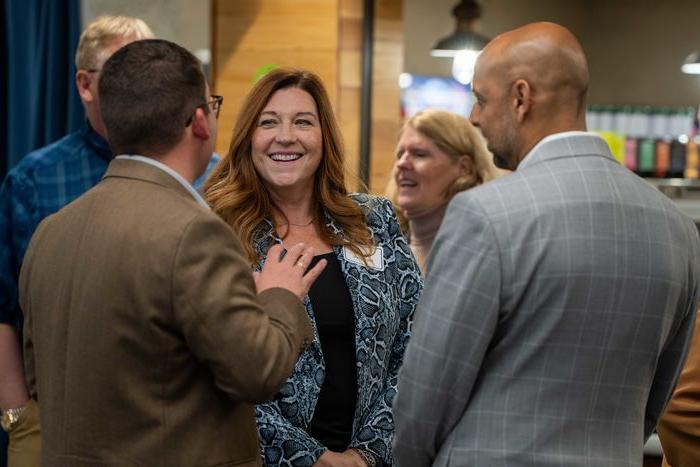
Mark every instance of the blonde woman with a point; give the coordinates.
(439, 154)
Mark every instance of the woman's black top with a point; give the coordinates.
(335, 320)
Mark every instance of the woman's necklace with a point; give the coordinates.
(296, 225)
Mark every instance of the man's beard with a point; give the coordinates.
(503, 154)
(501, 162)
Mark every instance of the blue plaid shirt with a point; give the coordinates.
(42, 183)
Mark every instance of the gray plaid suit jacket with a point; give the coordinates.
(558, 307)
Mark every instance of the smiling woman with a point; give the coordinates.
(287, 143)
(283, 181)
(439, 154)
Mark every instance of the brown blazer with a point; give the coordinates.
(145, 342)
(679, 428)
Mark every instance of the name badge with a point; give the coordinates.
(374, 261)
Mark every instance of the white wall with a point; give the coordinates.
(185, 22)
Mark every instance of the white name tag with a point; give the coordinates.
(374, 261)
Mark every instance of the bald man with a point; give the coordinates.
(560, 299)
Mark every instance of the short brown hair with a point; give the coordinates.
(148, 90)
(237, 194)
(100, 33)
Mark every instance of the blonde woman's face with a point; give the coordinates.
(423, 173)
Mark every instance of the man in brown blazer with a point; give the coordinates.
(146, 343)
(679, 428)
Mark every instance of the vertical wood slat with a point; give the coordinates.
(388, 65)
(350, 82)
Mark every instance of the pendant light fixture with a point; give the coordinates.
(691, 64)
(464, 44)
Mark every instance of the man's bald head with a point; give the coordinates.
(545, 54)
(541, 72)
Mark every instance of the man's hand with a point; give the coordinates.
(289, 272)
(348, 458)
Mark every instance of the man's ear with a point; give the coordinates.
(83, 80)
(466, 166)
(522, 99)
(200, 124)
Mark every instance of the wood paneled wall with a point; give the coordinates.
(388, 65)
(350, 81)
(324, 36)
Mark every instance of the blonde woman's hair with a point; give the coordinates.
(237, 194)
(100, 33)
(454, 135)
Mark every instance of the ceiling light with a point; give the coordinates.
(691, 64)
(465, 37)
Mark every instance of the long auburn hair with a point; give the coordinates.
(237, 194)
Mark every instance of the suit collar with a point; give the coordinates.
(569, 144)
(136, 170)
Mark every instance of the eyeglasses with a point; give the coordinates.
(214, 102)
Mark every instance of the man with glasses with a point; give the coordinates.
(214, 102)
(147, 339)
(42, 183)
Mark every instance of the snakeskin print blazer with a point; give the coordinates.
(384, 297)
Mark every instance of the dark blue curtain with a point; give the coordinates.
(37, 92)
(41, 103)
(3, 100)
